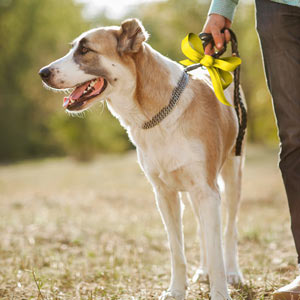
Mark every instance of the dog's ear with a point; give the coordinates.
(132, 35)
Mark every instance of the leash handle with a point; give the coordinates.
(207, 38)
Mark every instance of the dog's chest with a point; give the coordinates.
(170, 158)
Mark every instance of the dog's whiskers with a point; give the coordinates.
(102, 107)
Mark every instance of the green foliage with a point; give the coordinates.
(84, 136)
(32, 122)
(34, 33)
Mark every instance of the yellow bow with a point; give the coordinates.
(218, 68)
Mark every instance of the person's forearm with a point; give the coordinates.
(224, 8)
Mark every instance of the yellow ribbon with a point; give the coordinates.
(219, 69)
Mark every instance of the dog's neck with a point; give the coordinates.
(156, 77)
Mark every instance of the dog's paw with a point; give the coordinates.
(172, 295)
(235, 278)
(201, 275)
(220, 297)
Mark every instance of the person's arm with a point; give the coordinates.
(220, 16)
(225, 8)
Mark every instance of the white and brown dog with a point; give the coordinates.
(185, 152)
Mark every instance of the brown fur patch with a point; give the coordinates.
(211, 122)
(90, 62)
(105, 42)
(153, 88)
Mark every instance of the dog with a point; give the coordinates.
(185, 152)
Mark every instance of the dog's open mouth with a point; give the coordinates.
(84, 93)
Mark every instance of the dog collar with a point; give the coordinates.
(173, 101)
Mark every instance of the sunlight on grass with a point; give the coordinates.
(92, 231)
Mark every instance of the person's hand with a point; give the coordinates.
(214, 24)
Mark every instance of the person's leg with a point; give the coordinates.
(278, 26)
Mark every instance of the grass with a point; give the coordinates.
(91, 231)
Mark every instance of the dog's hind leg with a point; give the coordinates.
(232, 176)
(201, 273)
(170, 207)
(206, 202)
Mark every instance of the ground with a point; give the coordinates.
(72, 230)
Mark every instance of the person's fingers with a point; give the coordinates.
(209, 49)
(213, 25)
(218, 38)
(227, 36)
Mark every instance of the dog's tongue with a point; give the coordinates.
(77, 93)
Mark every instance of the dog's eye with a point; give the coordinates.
(84, 50)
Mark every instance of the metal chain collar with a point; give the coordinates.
(173, 101)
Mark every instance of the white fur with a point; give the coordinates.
(120, 95)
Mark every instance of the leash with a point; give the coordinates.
(239, 106)
(219, 70)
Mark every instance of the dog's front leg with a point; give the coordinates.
(170, 208)
(206, 204)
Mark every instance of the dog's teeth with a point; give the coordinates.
(93, 83)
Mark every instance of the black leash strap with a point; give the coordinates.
(239, 106)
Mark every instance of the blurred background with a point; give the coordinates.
(77, 229)
(33, 33)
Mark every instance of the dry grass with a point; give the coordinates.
(92, 231)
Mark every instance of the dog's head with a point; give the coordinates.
(99, 64)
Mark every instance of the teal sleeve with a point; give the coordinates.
(224, 8)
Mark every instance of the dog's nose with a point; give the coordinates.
(45, 73)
